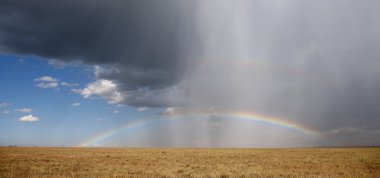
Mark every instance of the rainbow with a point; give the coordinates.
(277, 122)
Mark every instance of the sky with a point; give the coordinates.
(192, 73)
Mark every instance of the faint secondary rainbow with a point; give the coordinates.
(277, 122)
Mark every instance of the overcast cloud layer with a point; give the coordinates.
(316, 62)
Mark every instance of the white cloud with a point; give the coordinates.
(69, 84)
(75, 104)
(141, 109)
(50, 82)
(24, 110)
(5, 111)
(46, 79)
(116, 112)
(47, 85)
(106, 89)
(46, 82)
(28, 118)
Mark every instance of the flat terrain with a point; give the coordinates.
(152, 162)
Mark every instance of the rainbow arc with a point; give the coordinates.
(276, 122)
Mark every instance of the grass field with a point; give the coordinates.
(166, 162)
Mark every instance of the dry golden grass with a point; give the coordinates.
(144, 162)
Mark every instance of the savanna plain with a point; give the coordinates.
(188, 162)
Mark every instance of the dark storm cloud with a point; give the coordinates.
(139, 36)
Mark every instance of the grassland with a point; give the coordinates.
(144, 162)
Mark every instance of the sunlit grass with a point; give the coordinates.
(157, 162)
